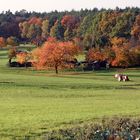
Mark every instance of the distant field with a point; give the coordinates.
(33, 102)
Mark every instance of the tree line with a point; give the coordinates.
(106, 34)
(91, 28)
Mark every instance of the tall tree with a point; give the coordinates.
(45, 28)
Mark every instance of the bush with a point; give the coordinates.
(115, 129)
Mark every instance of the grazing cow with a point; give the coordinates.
(121, 77)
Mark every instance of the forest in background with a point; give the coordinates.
(106, 34)
(92, 27)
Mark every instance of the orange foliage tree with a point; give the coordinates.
(100, 54)
(95, 54)
(123, 57)
(2, 42)
(54, 54)
(118, 55)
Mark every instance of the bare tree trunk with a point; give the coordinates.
(56, 69)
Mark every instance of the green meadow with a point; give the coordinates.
(34, 102)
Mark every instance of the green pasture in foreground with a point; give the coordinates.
(33, 102)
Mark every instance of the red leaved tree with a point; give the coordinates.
(70, 22)
(54, 54)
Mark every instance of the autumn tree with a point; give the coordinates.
(95, 54)
(2, 42)
(123, 57)
(54, 54)
(123, 52)
(12, 41)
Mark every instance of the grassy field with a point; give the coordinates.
(33, 102)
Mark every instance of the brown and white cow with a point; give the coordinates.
(121, 77)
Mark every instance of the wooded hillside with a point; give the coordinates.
(89, 28)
